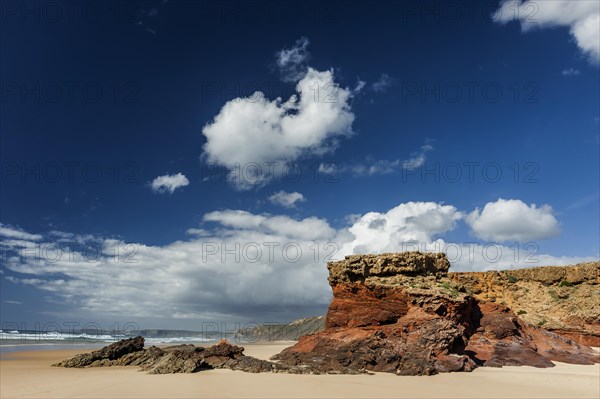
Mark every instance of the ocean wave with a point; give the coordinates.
(57, 336)
(175, 340)
(53, 336)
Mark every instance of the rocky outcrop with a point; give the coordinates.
(108, 354)
(282, 332)
(401, 313)
(562, 299)
(176, 359)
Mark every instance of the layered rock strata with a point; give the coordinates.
(401, 313)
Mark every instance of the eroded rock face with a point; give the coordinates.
(401, 313)
(359, 268)
(562, 299)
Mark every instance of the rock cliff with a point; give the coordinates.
(402, 313)
(282, 332)
(565, 300)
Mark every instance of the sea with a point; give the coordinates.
(30, 340)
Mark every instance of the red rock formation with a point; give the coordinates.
(400, 313)
(583, 338)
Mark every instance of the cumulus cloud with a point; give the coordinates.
(581, 17)
(506, 220)
(270, 134)
(257, 138)
(376, 232)
(169, 183)
(285, 199)
(241, 266)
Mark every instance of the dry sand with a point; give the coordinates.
(28, 374)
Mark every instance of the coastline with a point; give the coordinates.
(29, 374)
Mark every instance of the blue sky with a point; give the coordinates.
(133, 131)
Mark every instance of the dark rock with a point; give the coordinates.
(178, 361)
(141, 358)
(218, 355)
(182, 348)
(253, 365)
(105, 355)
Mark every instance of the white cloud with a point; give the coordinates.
(376, 232)
(570, 72)
(587, 34)
(582, 18)
(169, 183)
(507, 220)
(13, 302)
(371, 166)
(18, 234)
(360, 84)
(292, 62)
(197, 232)
(306, 229)
(270, 134)
(382, 83)
(287, 200)
(235, 218)
(418, 158)
(327, 168)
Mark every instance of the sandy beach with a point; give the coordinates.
(28, 375)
